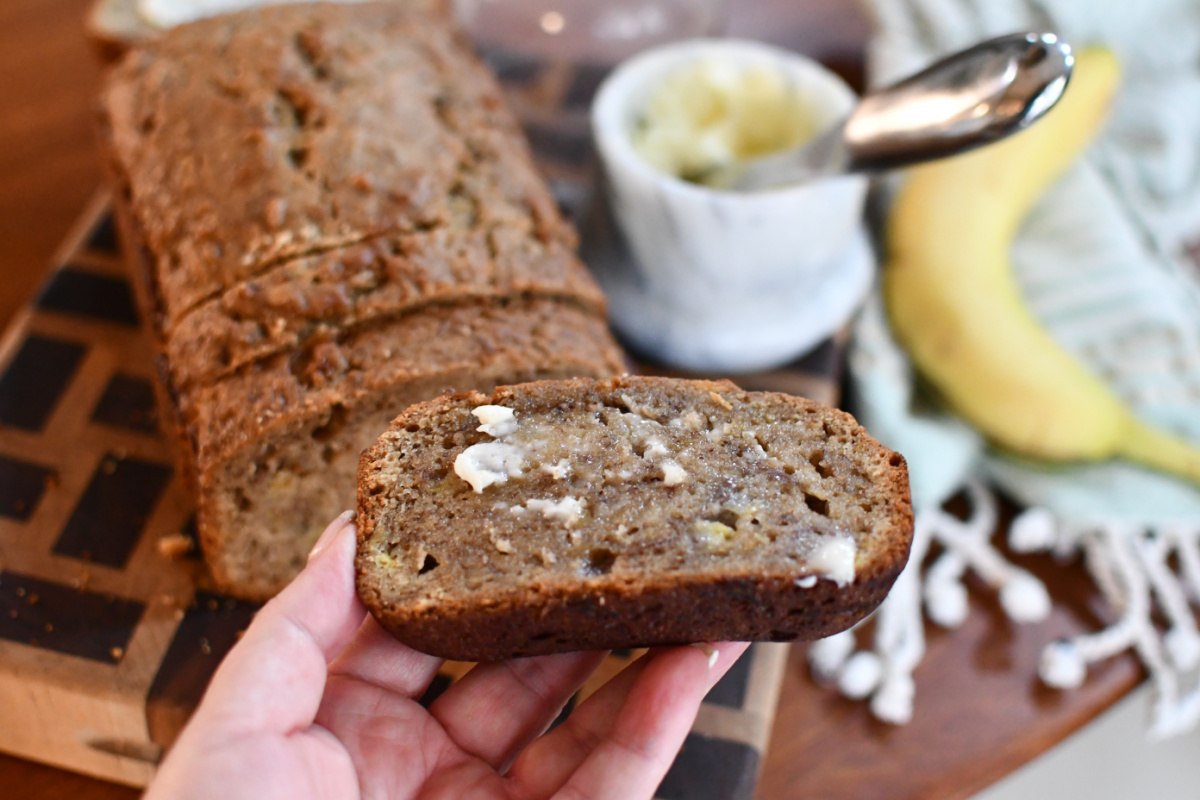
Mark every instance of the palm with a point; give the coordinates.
(318, 702)
(271, 766)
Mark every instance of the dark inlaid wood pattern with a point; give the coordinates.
(711, 769)
(77, 291)
(127, 402)
(33, 382)
(111, 515)
(64, 619)
(210, 627)
(103, 238)
(21, 486)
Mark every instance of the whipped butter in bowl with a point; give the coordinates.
(706, 279)
(711, 113)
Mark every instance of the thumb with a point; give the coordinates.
(273, 679)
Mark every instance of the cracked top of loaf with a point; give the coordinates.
(250, 140)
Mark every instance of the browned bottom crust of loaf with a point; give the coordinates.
(705, 513)
(607, 616)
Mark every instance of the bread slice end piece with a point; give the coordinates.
(635, 512)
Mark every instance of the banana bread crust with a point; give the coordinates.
(309, 298)
(786, 477)
(247, 140)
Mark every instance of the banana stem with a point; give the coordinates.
(1156, 449)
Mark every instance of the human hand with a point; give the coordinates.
(318, 701)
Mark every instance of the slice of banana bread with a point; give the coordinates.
(581, 514)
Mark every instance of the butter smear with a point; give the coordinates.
(486, 463)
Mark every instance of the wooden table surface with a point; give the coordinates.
(980, 711)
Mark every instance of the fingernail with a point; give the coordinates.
(710, 652)
(330, 533)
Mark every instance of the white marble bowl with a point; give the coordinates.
(721, 281)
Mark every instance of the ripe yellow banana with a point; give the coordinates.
(955, 305)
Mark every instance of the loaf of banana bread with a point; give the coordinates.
(582, 514)
(331, 215)
(245, 141)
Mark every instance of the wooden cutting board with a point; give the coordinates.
(109, 631)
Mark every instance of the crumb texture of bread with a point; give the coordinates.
(584, 514)
(329, 214)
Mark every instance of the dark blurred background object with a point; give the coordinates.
(552, 54)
